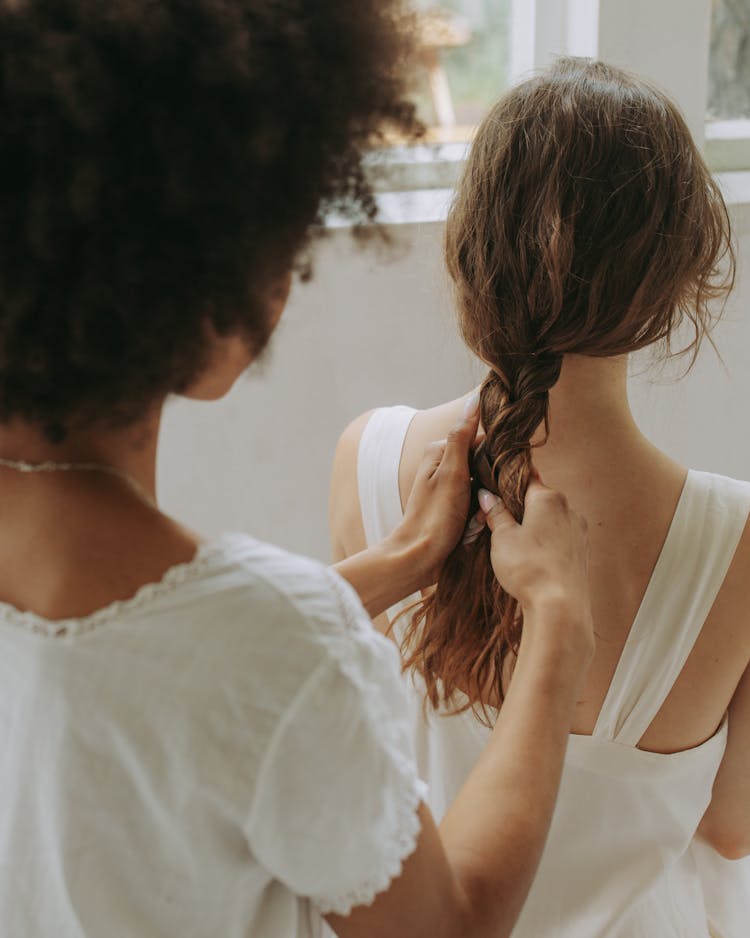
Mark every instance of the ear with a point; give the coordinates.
(230, 355)
(227, 357)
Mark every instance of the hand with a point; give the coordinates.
(437, 511)
(543, 562)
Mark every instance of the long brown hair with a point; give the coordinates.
(586, 222)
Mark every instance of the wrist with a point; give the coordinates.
(559, 628)
(410, 557)
(383, 574)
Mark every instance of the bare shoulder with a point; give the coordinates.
(427, 426)
(344, 511)
(344, 515)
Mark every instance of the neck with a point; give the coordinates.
(589, 412)
(130, 450)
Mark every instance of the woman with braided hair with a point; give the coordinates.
(586, 226)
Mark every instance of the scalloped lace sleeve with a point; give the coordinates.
(335, 807)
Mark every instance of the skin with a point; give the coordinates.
(93, 540)
(597, 455)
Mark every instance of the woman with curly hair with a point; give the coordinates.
(208, 738)
(586, 226)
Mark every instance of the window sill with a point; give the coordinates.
(418, 207)
(430, 206)
(728, 145)
(413, 184)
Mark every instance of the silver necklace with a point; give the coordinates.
(50, 465)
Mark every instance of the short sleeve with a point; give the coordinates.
(334, 813)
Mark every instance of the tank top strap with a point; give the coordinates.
(378, 463)
(705, 531)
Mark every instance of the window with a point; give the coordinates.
(461, 68)
(728, 127)
(463, 63)
(473, 49)
(729, 62)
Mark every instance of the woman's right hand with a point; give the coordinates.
(543, 563)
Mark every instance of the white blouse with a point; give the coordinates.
(225, 754)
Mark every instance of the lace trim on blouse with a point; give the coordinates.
(173, 577)
(409, 789)
(401, 847)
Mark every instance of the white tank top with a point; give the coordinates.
(619, 860)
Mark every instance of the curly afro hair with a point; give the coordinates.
(161, 164)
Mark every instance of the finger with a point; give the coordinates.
(462, 436)
(535, 488)
(541, 501)
(496, 515)
(431, 459)
(474, 528)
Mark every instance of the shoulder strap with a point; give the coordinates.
(702, 539)
(378, 463)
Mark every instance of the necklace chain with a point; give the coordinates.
(50, 465)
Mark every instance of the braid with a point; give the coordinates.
(514, 403)
(585, 223)
(460, 635)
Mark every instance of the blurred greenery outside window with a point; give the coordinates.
(728, 126)
(463, 67)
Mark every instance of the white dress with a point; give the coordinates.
(225, 754)
(619, 861)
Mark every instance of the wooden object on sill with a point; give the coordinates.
(438, 30)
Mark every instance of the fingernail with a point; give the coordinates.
(487, 500)
(471, 405)
(473, 529)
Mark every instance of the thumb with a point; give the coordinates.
(496, 514)
(433, 456)
(462, 436)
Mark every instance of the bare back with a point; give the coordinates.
(628, 500)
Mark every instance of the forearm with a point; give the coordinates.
(383, 574)
(726, 823)
(727, 829)
(495, 830)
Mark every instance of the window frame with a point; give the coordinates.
(639, 35)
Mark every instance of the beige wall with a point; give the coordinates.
(370, 331)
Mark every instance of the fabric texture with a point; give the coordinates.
(225, 754)
(620, 860)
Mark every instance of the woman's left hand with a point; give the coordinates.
(436, 514)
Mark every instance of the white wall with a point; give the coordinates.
(368, 332)
(666, 41)
(704, 419)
